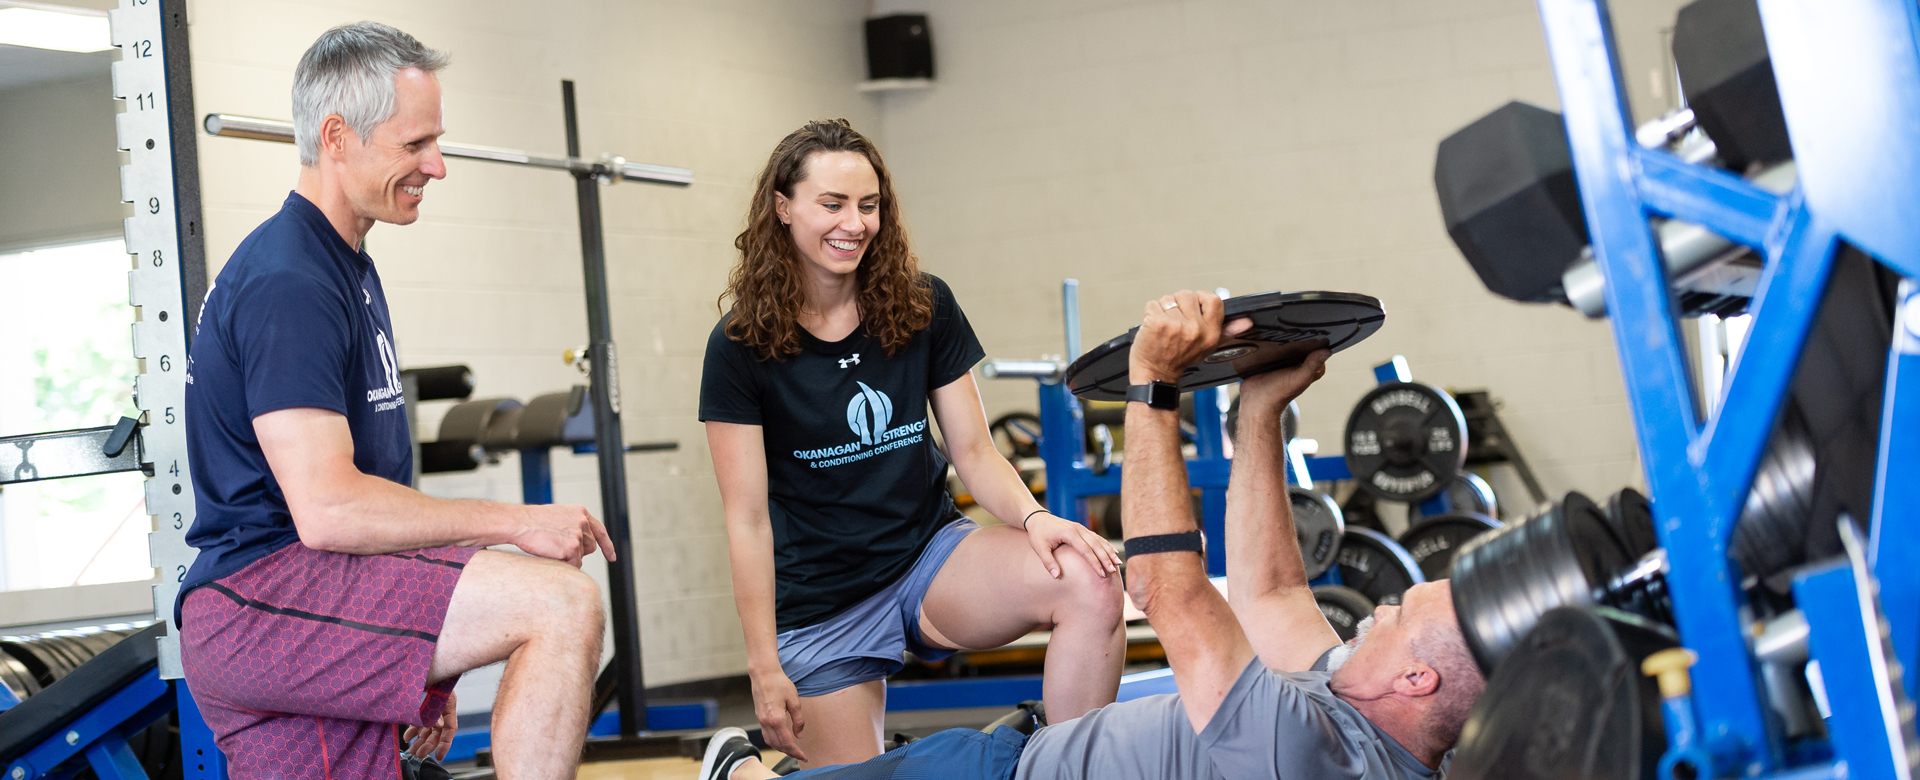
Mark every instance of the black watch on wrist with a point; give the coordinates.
(1156, 394)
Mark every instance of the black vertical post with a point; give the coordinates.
(183, 141)
(630, 681)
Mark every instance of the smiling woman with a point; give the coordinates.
(847, 550)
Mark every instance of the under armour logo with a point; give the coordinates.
(852, 361)
(363, 291)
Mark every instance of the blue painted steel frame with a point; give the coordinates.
(665, 716)
(1006, 691)
(1063, 435)
(1849, 76)
(99, 736)
(1894, 550)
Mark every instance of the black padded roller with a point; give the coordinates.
(441, 382)
(442, 456)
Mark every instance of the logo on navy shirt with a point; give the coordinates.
(390, 363)
(868, 414)
(855, 360)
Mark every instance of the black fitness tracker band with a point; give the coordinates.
(1148, 545)
(1156, 394)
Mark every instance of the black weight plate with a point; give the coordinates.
(1317, 525)
(1362, 510)
(1287, 327)
(1435, 541)
(1570, 704)
(1406, 441)
(1771, 533)
(76, 649)
(17, 677)
(1632, 518)
(56, 659)
(71, 655)
(1016, 435)
(1505, 580)
(1466, 494)
(1343, 607)
(97, 641)
(35, 665)
(1377, 566)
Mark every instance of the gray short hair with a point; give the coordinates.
(349, 71)
(1440, 645)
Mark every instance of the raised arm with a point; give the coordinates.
(996, 486)
(1204, 643)
(338, 508)
(1266, 580)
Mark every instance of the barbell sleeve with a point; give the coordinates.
(1686, 247)
(1043, 370)
(231, 126)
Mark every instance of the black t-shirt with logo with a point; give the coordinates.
(855, 487)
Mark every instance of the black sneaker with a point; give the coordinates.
(725, 750)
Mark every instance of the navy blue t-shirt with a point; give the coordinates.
(296, 319)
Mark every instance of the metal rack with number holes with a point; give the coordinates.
(90, 712)
(1848, 75)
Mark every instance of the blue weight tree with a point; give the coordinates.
(1848, 73)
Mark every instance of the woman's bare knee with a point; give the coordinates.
(1082, 595)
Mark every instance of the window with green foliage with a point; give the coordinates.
(66, 361)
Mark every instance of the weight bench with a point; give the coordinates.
(88, 715)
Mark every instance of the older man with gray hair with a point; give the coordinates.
(332, 605)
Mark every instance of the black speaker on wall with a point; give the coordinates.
(899, 47)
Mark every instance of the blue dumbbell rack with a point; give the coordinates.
(1849, 79)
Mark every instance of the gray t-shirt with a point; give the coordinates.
(1274, 725)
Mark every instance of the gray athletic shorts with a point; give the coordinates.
(866, 641)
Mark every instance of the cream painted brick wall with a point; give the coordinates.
(1254, 145)
(59, 173)
(490, 276)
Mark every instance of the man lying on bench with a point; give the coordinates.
(1266, 688)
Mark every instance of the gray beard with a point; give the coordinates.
(1339, 656)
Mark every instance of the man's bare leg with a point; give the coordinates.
(544, 619)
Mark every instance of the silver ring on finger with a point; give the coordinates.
(1170, 306)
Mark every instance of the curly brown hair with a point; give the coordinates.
(767, 287)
